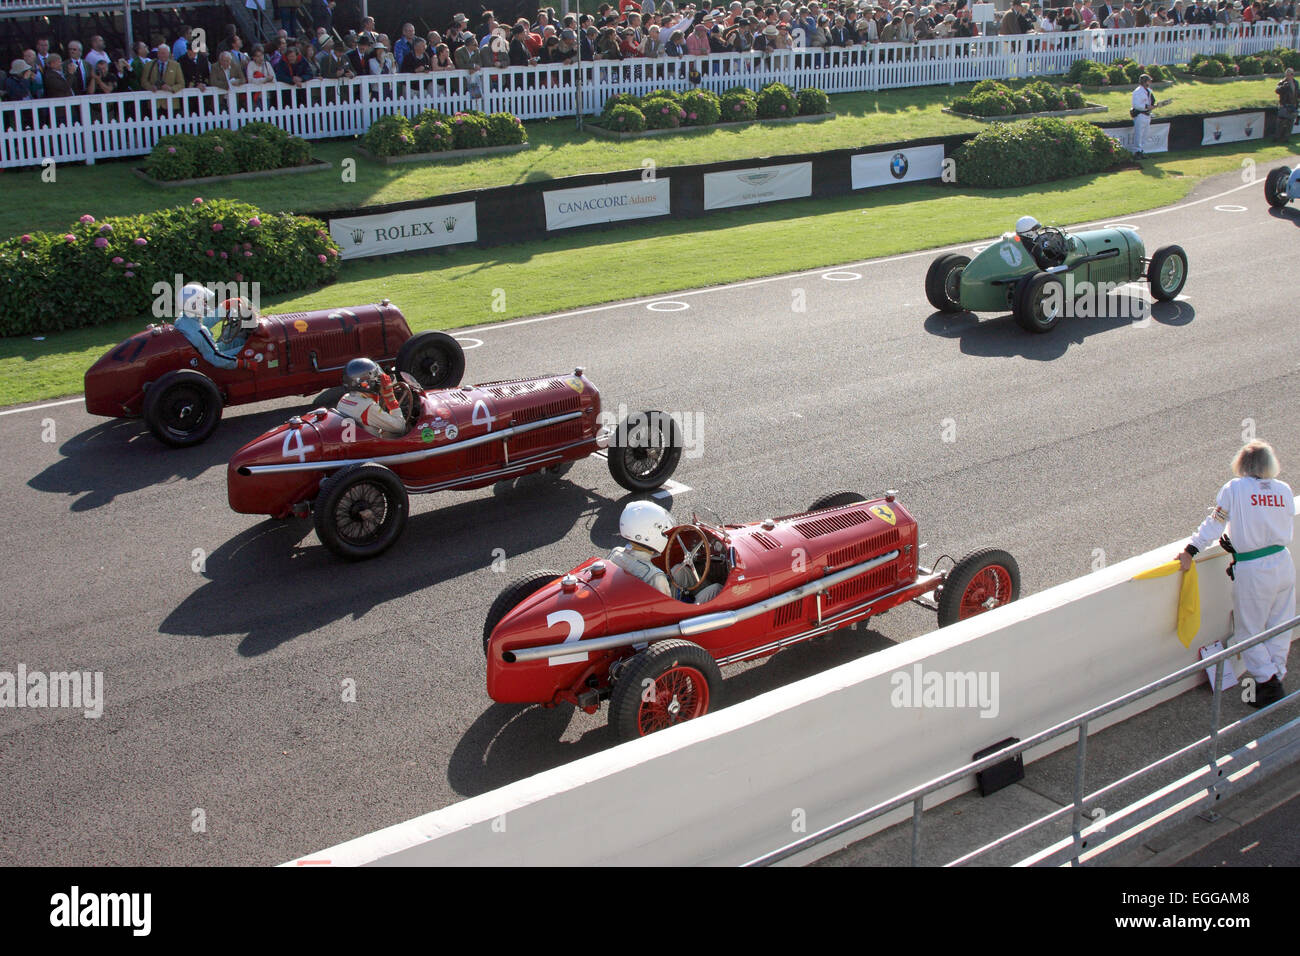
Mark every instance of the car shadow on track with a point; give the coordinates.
(275, 582)
(511, 741)
(1286, 212)
(120, 456)
(1002, 337)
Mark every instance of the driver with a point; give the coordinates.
(370, 399)
(195, 315)
(645, 525)
(1034, 236)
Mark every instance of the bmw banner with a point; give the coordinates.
(1232, 129)
(423, 228)
(744, 187)
(897, 166)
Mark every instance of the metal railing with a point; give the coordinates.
(87, 128)
(1079, 723)
(10, 9)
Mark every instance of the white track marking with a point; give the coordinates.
(37, 408)
(671, 489)
(753, 282)
(667, 305)
(841, 276)
(464, 343)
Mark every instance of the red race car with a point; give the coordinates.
(356, 484)
(172, 381)
(599, 632)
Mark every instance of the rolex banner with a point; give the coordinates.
(897, 166)
(1232, 129)
(743, 187)
(1157, 140)
(423, 228)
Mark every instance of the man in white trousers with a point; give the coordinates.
(1261, 513)
(1144, 101)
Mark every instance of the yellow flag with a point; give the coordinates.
(1189, 599)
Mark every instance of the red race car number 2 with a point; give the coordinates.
(576, 627)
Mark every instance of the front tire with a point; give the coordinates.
(182, 408)
(981, 581)
(836, 499)
(943, 282)
(1167, 272)
(645, 450)
(434, 359)
(512, 595)
(666, 684)
(1275, 187)
(361, 511)
(1039, 302)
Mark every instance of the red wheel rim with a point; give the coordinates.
(680, 693)
(989, 588)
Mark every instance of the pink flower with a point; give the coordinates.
(198, 201)
(254, 222)
(129, 274)
(218, 148)
(88, 218)
(321, 258)
(320, 234)
(25, 238)
(693, 116)
(118, 260)
(217, 227)
(133, 265)
(171, 150)
(334, 253)
(224, 256)
(248, 245)
(101, 243)
(248, 255)
(105, 229)
(142, 241)
(663, 109)
(782, 107)
(69, 238)
(239, 277)
(210, 253)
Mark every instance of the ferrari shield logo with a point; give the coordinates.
(300, 325)
(884, 513)
(575, 384)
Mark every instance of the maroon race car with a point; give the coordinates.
(356, 484)
(160, 374)
(599, 632)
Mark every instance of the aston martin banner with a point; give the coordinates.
(609, 202)
(423, 228)
(1232, 129)
(896, 166)
(1157, 137)
(744, 187)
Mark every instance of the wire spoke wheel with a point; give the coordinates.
(361, 512)
(989, 588)
(679, 694)
(1171, 274)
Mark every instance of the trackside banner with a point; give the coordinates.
(744, 187)
(1157, 140)
(1232, 129)
(896, 166)
(609, 202)
(360, 236)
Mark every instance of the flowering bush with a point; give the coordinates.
(1035, 151)
(215, 154)
(433, 135)
(46, 281)
(505, 129)
(739, 105)
(813, 102)
(390, 135)
(173, 157)
(470, 129)
(662, 113)
(777, 101)
(1210, 69)
(624, 118)
(703, 108)
(222, 152)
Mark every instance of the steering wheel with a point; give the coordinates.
(693, 543)
(408, 401)
(1050, 246)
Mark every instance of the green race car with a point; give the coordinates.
(1041, 272)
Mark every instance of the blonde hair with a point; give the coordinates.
(1256, 459)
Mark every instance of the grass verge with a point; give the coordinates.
(572, 271)
(110, 189)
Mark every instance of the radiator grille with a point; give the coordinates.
(858, 588)
(535, 413)
(767, 542)
(550, 435)
(837, 521)
(854, 553)
(787, 614)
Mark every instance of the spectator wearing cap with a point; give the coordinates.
(1013, 21)
(18, 82)
(380, 61)
(330, 65)
(697, 44)
(819, 37)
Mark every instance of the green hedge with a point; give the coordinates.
(995, 98)
(668, 109)
(99, 272)
(1116, 73)
(662, 112)
(395, 135)
(221, 152)
(624, 118)
(739, 105)
(813, 102)
(703, 107)
(777, 101)
(1035, 151)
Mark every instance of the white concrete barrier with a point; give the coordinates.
(729, 787)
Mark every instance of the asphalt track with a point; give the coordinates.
(225, 642)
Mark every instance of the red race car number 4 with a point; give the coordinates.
(293, 445)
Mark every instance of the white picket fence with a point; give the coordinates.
(88, 128)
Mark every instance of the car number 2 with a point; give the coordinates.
(576, 627)
(293, 445)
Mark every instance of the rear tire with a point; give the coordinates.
(1275, 187)
(361, 511)
(686, 682)
(1039, 302)
(645, 450)
(330, 397)
(836, 499)
(512, 595)
(984, 579)
(434, 359)
(943, 282)
(182, 408)
(1167, 272)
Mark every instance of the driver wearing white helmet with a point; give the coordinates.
(1046, 245)
(645, 525)
(196, 314)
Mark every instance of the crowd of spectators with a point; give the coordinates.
(641, 30)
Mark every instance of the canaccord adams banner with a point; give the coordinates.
(896, 166)
(423, 228)
(743, 187)
(608, 202)
(1232, 129)
(1157, 140)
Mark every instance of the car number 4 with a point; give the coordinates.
(294, 447)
